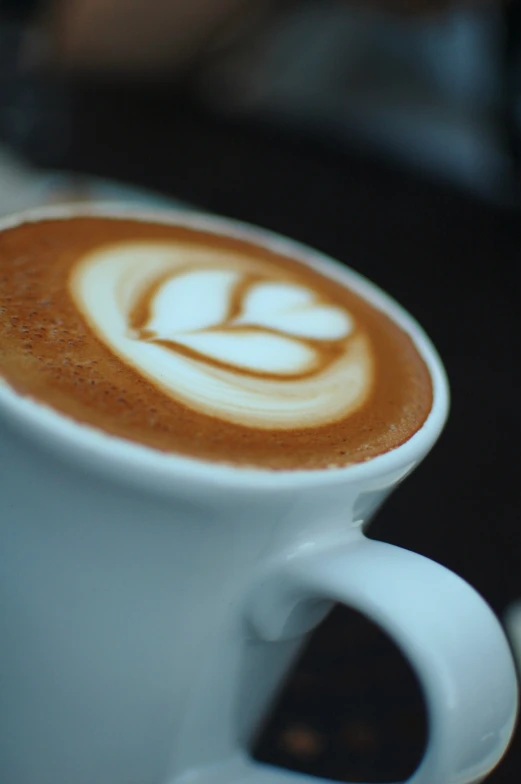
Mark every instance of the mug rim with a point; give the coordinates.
(144, 464)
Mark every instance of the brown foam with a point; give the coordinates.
(48, 352)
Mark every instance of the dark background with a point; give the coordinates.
(351, 710)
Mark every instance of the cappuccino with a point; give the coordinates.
(203, 344)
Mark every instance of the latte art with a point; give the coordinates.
(202, 343)
(267, 333)
(221, 334)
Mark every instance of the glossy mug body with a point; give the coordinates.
(152, 604)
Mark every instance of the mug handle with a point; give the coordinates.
(448, 633)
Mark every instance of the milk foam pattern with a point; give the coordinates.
(229, 336)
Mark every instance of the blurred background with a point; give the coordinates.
(387, 134)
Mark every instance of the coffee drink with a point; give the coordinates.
(203, 344)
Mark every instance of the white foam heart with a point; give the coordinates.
(191, 310)
(254, 351)
(193, 300)
(294, 310)
(266, 296)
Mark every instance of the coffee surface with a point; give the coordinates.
(204, 345)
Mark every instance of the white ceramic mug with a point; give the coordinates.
(151, 604)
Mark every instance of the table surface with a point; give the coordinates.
(352, 709)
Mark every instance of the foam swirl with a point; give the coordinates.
(230, 336)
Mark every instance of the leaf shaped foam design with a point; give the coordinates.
(226, 334)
